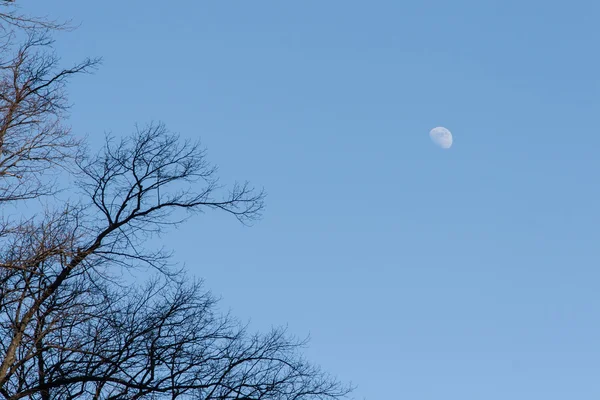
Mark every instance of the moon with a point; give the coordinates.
(441, 136)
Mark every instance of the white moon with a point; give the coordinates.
(441, 136)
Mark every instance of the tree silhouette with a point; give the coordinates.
(69, 328)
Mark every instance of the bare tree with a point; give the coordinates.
(33, 103)
(69, 329)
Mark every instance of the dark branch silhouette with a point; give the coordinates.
(69, 327)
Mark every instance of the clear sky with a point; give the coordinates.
(420, 273)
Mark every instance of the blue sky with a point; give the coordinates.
(419, 273)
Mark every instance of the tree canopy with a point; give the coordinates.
(69, 328)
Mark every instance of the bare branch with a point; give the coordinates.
(33, 103)
(144, 182)
(69, 327)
